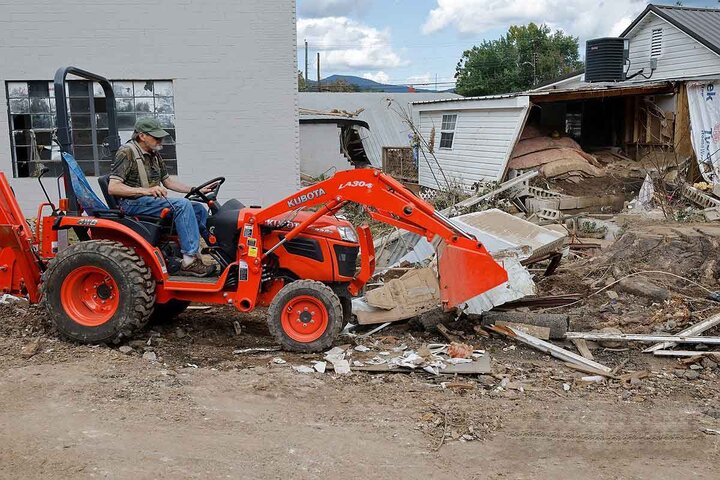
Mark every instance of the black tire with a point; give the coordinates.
(324, 298)
(132, 279)
(166, 312)
(346, 303)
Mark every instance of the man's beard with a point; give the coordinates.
(157, 148)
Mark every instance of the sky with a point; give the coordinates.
(420, 41)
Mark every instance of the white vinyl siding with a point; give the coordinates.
(678, 55)
(484, 135)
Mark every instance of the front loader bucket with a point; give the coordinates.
(465, 273)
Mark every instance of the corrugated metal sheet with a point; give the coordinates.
(387, 129)
(485, 134)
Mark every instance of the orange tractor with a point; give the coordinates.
(296, 256)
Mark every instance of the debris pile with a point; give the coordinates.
(554, 156)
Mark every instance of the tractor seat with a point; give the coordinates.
(104, 182)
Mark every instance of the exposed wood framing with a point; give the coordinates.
(683, 145)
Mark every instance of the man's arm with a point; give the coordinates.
(117, 188)
(172, 183)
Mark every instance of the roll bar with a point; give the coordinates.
(64, 133)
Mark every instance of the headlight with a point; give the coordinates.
(348, 234)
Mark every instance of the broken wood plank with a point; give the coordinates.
(534, 330)
(469, 202)
(554, 350)
(591, 371)
(695, 329)
(374, 330)
(556, 322)
(685, 353)
(632, 337)
(582, 347)
(446, 333)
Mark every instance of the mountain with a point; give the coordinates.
(366, 85)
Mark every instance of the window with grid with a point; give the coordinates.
(447, 130)
(31, 106)
(656, 43)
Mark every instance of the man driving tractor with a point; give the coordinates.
(141, 182)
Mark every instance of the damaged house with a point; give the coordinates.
(634, 108)
(339, 131)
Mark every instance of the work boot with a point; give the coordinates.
(197, 268)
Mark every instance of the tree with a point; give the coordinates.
(302, 85)
(525, 56)
(340, 86)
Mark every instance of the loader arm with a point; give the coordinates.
(465, 267)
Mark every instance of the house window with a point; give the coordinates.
(447, 130)
(31, 107)
(656, 43)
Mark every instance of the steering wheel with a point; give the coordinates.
(196, 194)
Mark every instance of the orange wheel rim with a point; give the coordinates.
(304, 318)
(90, 296)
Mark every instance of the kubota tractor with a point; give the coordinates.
(296, 257)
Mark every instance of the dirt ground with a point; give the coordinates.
(200, 411)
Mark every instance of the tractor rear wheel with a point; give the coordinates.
(305, 316)
(98, 291)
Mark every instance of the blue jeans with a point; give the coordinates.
(190, 217)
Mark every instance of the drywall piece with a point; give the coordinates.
(415, 292)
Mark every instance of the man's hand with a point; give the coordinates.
(157, 191)
(209, 188)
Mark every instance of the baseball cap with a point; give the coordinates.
(151, 126)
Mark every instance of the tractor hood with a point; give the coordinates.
(325, 226)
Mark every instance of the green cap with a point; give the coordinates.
(150, 126)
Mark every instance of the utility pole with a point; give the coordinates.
(318, 68)
(306, 64)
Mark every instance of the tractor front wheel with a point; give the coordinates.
(98, 291)
(305, 316)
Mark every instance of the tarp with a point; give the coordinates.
(86, 197)
(704, 104)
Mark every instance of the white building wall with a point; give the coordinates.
(320, 150)
(485, 134)
(233, 63)
(682, 56)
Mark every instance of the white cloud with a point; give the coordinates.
(347, 44)
(380, 77)
(583, 18)
(330, 8)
